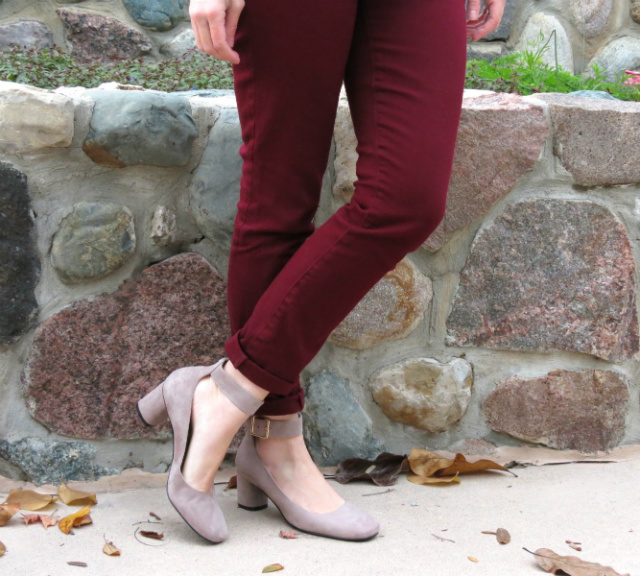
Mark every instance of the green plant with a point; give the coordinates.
(51, 68)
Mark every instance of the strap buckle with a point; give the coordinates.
(267, 427)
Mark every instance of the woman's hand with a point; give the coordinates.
(214, 24)
(479, 25)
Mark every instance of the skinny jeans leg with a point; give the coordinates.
(403, 65)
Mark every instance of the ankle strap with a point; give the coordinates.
(262, 427)
(232, 390)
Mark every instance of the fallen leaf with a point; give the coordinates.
(233, 483)
(461, 466)
(74, 563)
(288, 534)
(425, 463)
(433, 479)
(48, 520)
(110, 550)
(272, 568)
(151, 534)
(155, 515)
(76, 497)
(31, 518)
(74, 520)
(503, 536)
(7, 511)
(551, 562)
(575, 546)
(472, 559)
(383, 471)
(3, 549)
(30, 500)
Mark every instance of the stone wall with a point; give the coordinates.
(515, 323)
(587, 31)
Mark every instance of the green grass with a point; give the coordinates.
(518, 72)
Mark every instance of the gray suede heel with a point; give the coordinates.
(256, 486)
(173, 399)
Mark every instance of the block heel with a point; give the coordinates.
(250, 497)
(152, 408)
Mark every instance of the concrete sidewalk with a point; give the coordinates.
(596, 504)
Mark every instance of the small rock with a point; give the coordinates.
(595, 140)
(32, 118)
(25, 33)
(565, 410)
(129, 128)
(391, 310)
(180, 45)
(93, 36)
(163, 226)
(19, 264)
(486, 50)
(594, 94)
(423, 392)
(158, 15)
(215, 187)
(590, 16)
(92, 241)
(335, 425)
(92, 361)
(546, 24)
(547, 275)
(52, 462)
(635, 10)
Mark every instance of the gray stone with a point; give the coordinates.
(180, 45)
(565, 410)
(617, 56)
(391, 310)
(25, 33)
(52, 462)
(596, 140)
(163, 227)
(92, 241)
(158, 15)
(139, 127)
(215, 187)
(549, 275)
(590, 16)
(593, 94)
(546, 24)
(335, 425)
(424, 393)
(19, 264)
(503, 31)
(97, 37)
(32, 118)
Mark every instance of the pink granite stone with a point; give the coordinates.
(93, 360)
(596, 140)
(96, 37)
(566, 410)
(499, 139)
(546, 275)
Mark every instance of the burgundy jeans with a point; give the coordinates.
(403, 66)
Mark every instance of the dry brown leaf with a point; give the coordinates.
(461, 466)
(110, 550)
(503, 536)
(48, 520)
(76, 497)
(7, 511)
(151, 534)
(3, 549)
(75, 563)
(154, 515)
(31, 518)
(272, 568)
(30, 500)
(433, 479)
(288, 534)
(551, 562)
(74, 520)
(425, 463)
(383, 471)
(575, 546)
(233, 483)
